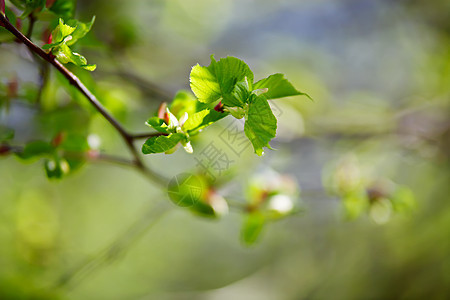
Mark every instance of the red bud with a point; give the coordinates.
(58, 139)
(219, 107)
(47, 36)
(93, 154)
(49, 3)
(166, 118)
(4, 150)
(13, 86)
(162, 110)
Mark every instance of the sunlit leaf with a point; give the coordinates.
(162, 143)
(403, 199)
(158, 124)
(63, 8)
(195, 121)
(36, 149)
(260, 124)
(277, 86)
(56, 168)
(219, 78)
(81, 29)
(186, 190)
(252, 227)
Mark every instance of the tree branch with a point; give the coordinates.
(76, 82)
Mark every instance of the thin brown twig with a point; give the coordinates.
(77, 83)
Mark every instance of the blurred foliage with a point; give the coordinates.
(370, 155)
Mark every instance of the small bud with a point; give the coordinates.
(4, 149)
(49, 3)
(162, 110)
(13, 86)
(219, 107)
(58, 139)
(217, 202)
(47, 36)
(93, 154)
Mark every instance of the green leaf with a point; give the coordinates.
(36, 149)
(355, 204)
(260, 124)
(195, 121)
(6, 134)
(31, 6)
(81, 29)
(62, 31)
(65, 55)
(11, 16)
(252, 227)
(158, 124)
(403, 200)
(218, 80)
(162, 143)
(212, 117)
(203, 209)
(63, 8)
(186, 190)
(69, 33)
(74, 143)
(56, 168)
(65, 35)
(278, 87)
(381, 211)
(183, 102)
(20, 4)
(238, 96)
(204, 84)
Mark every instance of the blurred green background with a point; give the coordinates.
(379, 73)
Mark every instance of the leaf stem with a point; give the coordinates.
(147, 135)
(32, 20)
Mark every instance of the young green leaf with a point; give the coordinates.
(65, 35)
(6, 134)
(81, 29)
(162, 143)
(36, 149)
(60, 34)
(31, 6)
(238, 96)
(252, 227)
(56, 168)
(63, 8)
(65, 55)
(260, 124)
(186, 190)
(403, 199)
(183, 102)
(204, 83)
(158, 124)
(195, 121)
(74, 143)
(278, 87)
(218, 80)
